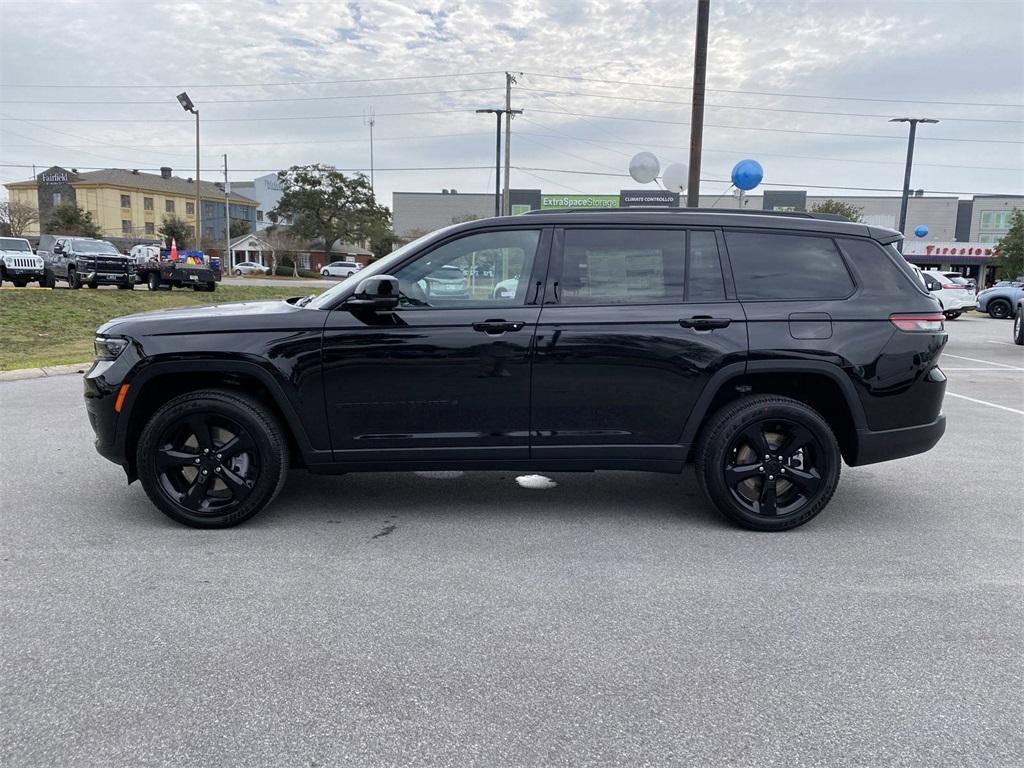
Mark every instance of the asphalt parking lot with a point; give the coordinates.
(449, 619)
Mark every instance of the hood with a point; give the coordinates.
(211, 318)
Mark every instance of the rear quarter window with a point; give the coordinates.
(882, 271)
(767, 265)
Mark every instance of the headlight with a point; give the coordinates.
(109, 347)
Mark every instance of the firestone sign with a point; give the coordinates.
(937, 249)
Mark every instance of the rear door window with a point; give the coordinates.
(768, 265)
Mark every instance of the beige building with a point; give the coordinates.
(131, 204)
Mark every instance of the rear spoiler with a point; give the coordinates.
(884, 235)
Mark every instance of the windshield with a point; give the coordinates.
(94, 246)
(379, 267)
(13, 244)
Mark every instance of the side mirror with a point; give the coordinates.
(58, 248)
(377, 292)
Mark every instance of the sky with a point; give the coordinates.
(805, 88)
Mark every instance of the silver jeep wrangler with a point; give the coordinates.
(18, 264)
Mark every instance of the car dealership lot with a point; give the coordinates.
(450, 619)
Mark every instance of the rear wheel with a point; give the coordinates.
(153, 281)
(212, 459)
(1000, 309)
(952, 315)
(768, 463)
(1018, 327)
(238, 273)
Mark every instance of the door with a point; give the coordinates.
(635, 323)
(447, 374)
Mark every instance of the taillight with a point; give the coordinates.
(924, 323)
(948, 286)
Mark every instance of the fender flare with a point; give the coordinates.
(734, 371)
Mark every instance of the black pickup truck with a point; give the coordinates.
(84, 261)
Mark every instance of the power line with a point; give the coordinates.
(542, 91)
(782, 94)
(238, 119)
(775, 130)
(266, 101)
(270, 170)
(257, 85)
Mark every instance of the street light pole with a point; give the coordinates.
(497, 158)
(910, 162)
(188, 106)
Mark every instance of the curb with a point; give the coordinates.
(38, 373)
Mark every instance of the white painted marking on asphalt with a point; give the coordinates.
(987, 362)
(985, 402)
(989, 370)
(1007, 343)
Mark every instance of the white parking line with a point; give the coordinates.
(984, 402)
(989, 370)
(1007, 343)
(987, 362)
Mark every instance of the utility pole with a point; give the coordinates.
(506, 203)
(370, 121)
(910, 161)
(497, 157)
(700, 70)
(225, 262)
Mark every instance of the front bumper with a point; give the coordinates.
(24, 273)
(109, 278)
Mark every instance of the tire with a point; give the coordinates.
(153, 281)
(1018, 328)
(74, 282)
(324, 273)
(179, 430)
(47, 281)
(729, 462)
(20, 283)
(238, 273)
(92, 285)
(211, 287)
(952, 315)
(1000, 309)
(124, 287)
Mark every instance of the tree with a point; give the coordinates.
(1010, 260)
(69, 219)
(851, 212)
(16, 217)
(325, 203)
(177, 229)
(239, 227)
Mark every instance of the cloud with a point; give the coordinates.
(868, 50)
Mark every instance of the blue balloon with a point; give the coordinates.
(921, 231)
(747, 174)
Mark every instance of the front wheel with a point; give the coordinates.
(768, 463)
(74, 281)
(212, 458)
(999, 309)
(1018, 327)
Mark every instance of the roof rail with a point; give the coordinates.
(658, 209)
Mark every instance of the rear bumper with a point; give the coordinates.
(884, 445)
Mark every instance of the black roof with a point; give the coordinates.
(710, 217)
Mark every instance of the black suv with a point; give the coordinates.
(765, 348)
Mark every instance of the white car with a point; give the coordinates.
(341, 269)
(18, 264)
(955, 298)
(250, 268)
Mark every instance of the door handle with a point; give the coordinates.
(498, 327)
(705, 323)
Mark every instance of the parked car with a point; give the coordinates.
(341, 269)
(1000, 302)
(956, 277)
(766, 349)
(84, 261)
(250, 268)
(955, 297)
(1018, 323)
(445, 281)
(18, 264)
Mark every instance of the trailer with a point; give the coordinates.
(155, 267)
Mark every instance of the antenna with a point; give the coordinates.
(370, 120)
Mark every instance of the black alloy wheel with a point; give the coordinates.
(999, 309)
(212, 459)
(769, 463)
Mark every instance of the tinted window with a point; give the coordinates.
(703, 268)
(489, 268)
(776, 266)
(622, 266)
(882, 271)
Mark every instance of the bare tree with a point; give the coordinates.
(16, 217)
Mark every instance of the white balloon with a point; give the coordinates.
(676, 177)
(644, 167)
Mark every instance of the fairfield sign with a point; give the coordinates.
(949, 251)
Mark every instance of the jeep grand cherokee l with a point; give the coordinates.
(765, 349)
